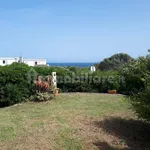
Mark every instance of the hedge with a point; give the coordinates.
(14, 85)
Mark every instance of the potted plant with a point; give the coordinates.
(112, 91)
(112, 87)
(56, 91)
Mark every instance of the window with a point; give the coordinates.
(36, 63)
(4, 62)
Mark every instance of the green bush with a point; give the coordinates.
(74, 79)
(14, 85)
(114, 62)
(88, 82)
(141, 104)
(134, 74)
(41, 97)
(137, 77)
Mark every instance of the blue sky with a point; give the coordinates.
(74, 30)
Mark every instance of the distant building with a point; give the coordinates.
(35, 62)
(30, 62)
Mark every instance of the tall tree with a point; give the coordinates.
(114, 62)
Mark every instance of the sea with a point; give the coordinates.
(73, 64)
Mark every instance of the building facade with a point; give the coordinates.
(30, 62)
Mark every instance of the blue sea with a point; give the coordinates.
(80, 65)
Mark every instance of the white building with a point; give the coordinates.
(35, 62)
(30, 62)
(8, 61)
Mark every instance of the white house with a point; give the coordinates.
(35, 62)
(30, 62)
(8, 61)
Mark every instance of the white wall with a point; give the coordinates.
(30, 62)
(33, 62)
(7, 61)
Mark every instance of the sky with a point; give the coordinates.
(74, 30)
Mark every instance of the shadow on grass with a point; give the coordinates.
(104, 146)
(3, 105)
(135, 133)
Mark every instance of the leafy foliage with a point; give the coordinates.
(134, 73)
(14, 86)
(88, 82)
(40, 97)
(114, 62)
(141, 104)
(119, 72)
(137, 77)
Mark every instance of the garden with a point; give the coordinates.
(83, 115)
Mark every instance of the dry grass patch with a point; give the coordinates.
(73, 121)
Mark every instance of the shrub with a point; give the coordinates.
(137, 75)
(40, 97)
(74, 79)
(88, 82)
(114, 62)
(14, 85)
(141, 101)
(44, 84)
(134, 74)
(141, 104)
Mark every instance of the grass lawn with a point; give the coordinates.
(73, 121)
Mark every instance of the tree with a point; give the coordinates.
(137, 79)
(114, 62)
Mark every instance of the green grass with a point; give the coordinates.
(64, 123)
